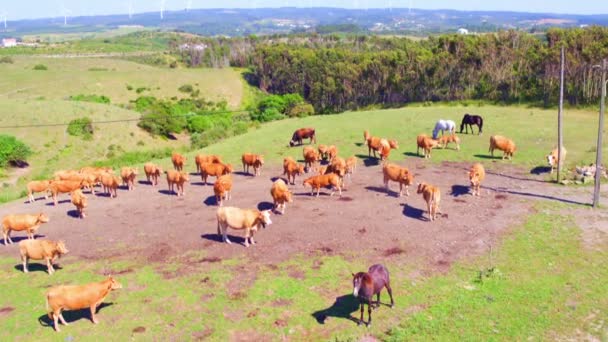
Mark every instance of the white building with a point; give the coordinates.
(463, 31)
(9, 42)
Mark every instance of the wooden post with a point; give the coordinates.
(600, 131)
(560, 136)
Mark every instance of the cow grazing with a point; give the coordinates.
(254, 160)
(129, 176)
(41, 250)
(110, 183)
(432, 196)
(76, 297)
(153, 173)
(20, 222)
(37, 186)
(401, 175)
(452, 138)
(553, 156)
(370, 283)
(311, 157)
(280, 195)
(201, 159)
(80, 201)
(476, 176)
(320, 181)
(222, 188)
(303, 133)
(59, 187)
(291, 169)
(178, 161)
(248, 219)
(427, 145)
(506, 145)
(177, 179)
(214, 170)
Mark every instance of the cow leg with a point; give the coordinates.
(24, 259)
(247, 235)
(55, 316)
(62, 319)
(400, 189)
(390, 293)
(7, 237)
(369, 314)
(225, 235)
(93, 308)
(362, 309)
(49, 266)
(55, 199)
(377, 300)
(429, 207)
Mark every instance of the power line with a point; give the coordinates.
(148, 118)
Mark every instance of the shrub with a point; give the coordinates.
(267, 115)
(141, 89)
(129, 87)
(186, 88)
(7, 59)
(91, 98)
(240, 128)
(40, 67)
(81, 127)
(12, 150)
(204, 139)
(301, 110)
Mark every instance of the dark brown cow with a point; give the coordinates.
(303, 133)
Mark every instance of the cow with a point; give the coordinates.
(338, 167)
(452, 138)
(366, 136)
(317, 182)
(37, 186)
(248, 219)
(177, 178)
(396, 173)
(332, 152)
(476, 175)
(213, 169)
(351, 165)
(254, 160)
(88, 180)
(506, 145)
(178, 161)
(373, 144)
(311, 157)
(427, 145)
(385, 149)
(76, 297)
(280, 195)
(19, 222)
(201, 159)
(153, 173)
(291, 169)
(110, 183)
(59, 187)
(432, 196)
(41, 250)
(323, 149)
(303, 133)
(222, 188)
(65, 174)
(553, 156)
(80, 201)
(129, 176)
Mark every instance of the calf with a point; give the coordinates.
(37, 186)
(476, 176)
(201, 159)
(41, 250)
(254, 160)
(504, 144)
(80, 201)
(553, 156)
(76, 297)
(303, 133)
(452, 138)
(311, 157)
(177, 178)
(432, 196)
(28, 222)
(280, 195)
(129, 176)
(401, 175)
(153, 173)
(291, 169)
(58, 187)
(222, 188)
(109, 183)
(248, 219)
(178, 161)
(215, 170)
(317, 182)
(427, 145)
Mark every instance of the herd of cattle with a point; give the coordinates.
(330, 170)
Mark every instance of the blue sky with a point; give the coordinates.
(20, 9)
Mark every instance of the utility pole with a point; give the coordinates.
(560, 131)
(600, 131)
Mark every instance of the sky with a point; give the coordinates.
(29, 9)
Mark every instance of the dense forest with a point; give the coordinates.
(340, 72)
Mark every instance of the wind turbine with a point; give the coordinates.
(130, 9)
(3, 16)
(66, 12)
(162, 9)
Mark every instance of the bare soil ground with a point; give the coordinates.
(152, 225)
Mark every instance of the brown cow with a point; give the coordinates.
(553, 156)
(303, 133)
(351, 165)
(201, 159)
(254, 160)
(401, 175)
(248, 219)
(311, 157)
(432, 196)
(37, 186)
(280, 195)
(332, 152)
(504, 144)
(323, 149)
(452, 138)
(80, 201)
(153, 173)
(59, 187)
(41, 250)
(129, 176)
(76, 297)
(317, 182)
(476, 176)
(178, 161)
(215, 170)
(222, 188)
(373, 144)
(110, 183)
(177, 178)
(427, 145)
(366, 136)
(28, 222)
(338, 167)
(96, 169)
(291, 169)
(88, 180)
(65, 174)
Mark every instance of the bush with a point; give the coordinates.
(267, 115)
(129, 87)
(141, 89)
(40, 67)
(240, 128)
(12, 150)
(91, 98)
(301, 110)
(7, 59)
(81, 127)
(186, 88)
(204, 139)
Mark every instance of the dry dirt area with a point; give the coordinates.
(150, 224)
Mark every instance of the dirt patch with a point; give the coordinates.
(201, 335)
(253, 313)
(345, 199)
(297, 274)
(501, 196)
(210, 259)
(281, 323)
(393, 251)
(317, 264)
(5, 311)
(139, 330)
(281, 302)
